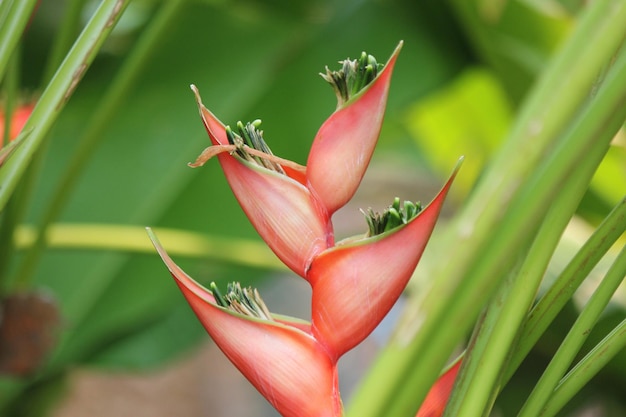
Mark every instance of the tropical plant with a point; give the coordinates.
(522, 276)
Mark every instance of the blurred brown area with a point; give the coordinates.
(29, 323)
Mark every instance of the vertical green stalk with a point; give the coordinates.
(502, 215)
(575, 338)
(59, 91)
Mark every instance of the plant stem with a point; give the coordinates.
(124, 238)
(561, 291)
(506, 313)
(503, 214)
(575, 338)
(587, 368)
(59, 91)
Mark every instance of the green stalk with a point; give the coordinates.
(561, 291)
(59, 91)
(101, 117)
(124, 238)
(518, 188)
(575, 338)
(586, 369)
(513, 232)
(491, 347)
(594, 130)
(17, 15)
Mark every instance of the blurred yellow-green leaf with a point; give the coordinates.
(469, 117)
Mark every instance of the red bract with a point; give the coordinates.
(356, 284)
(344, 145)
(291, 209)
(280, 208)
(285, 363)
(435, 403)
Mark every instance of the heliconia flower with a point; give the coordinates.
(435, 402)
(290, 205)
(356, 283)
(277, 354)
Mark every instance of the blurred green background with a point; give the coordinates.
(463, 70)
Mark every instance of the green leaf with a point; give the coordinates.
(469, 117)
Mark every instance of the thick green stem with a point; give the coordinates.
(507, 311)
(503, 214)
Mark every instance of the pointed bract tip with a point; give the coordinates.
(398, 48)
(196, 93)
(457, 167)
(395, 53)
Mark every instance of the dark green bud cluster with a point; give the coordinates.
(394, 216)
(245, 301)
(250, 135)
(353, 76)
